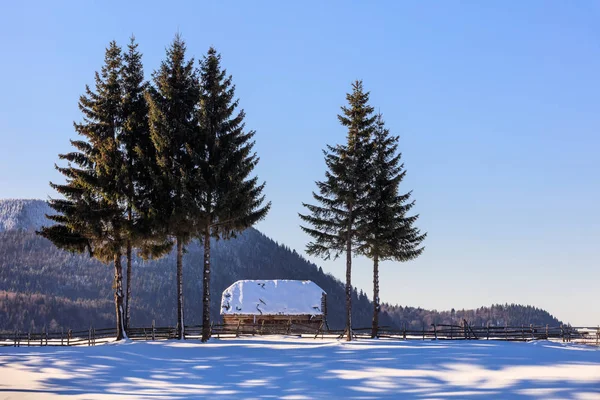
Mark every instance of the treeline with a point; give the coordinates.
(33, 312)
(156, 165)
(495, 315)
(76, 290)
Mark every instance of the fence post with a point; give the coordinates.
(562, 333)
(28, 337)
(42, 336)
(451, 329)
(597, 335)
(153, 331)
(15, 345)
(488, 330)
(69, 333)
(532, 331)
(423, 331)
(62, 333)
(404, 331)
(90, 336)
(435, 331)
(546, 331)
(237, 331)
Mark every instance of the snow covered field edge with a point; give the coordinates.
(292, 368)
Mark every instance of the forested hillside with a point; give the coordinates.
(41, 285)
(496, 314)
(22, 214)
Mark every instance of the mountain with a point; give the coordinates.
(19, 214)
(42, 285)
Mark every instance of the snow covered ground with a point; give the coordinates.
(292, 368)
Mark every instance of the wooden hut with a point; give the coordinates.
(274, 305)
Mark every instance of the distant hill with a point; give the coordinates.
(41, 285)
(22, 214)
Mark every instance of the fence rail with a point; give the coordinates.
(93, 336)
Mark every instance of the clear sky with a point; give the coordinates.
(497, 105)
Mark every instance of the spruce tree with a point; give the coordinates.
(389, 233)
(135, 130)
(230, 199)
(90, 217)
(172, 102)
(336, 223)
(140, 167)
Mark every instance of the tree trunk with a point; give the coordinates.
(128, 288)
(375, 330)
(180, 325)
(206, 288)
(121, 334)
(349, 280)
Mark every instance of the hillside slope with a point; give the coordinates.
(21, 214)
(41, 285)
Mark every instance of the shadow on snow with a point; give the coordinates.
(304, 368)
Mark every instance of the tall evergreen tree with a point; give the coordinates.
(138, 151)
(338, 219)
(172, 102)
(389, 233)
(90, 217)
(230, 199)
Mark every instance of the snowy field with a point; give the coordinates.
(292, 368)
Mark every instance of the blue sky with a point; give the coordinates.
(497, 105)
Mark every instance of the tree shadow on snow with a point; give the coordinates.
(305, 368)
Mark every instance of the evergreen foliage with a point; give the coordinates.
(389, 233)
(230, 199)
(90, 217)
(336, 223)
(172, 102)
(138, 152)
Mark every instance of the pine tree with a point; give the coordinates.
(231, 200)
(337, 221)
(90, 217)
(389, 234)
(140, 168)
(136, 146)
(172, 102)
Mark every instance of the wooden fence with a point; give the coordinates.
(464, 331)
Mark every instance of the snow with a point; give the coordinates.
(301, 368)
(272, 297)
(20, 214)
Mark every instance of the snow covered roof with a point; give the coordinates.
(273, 297)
